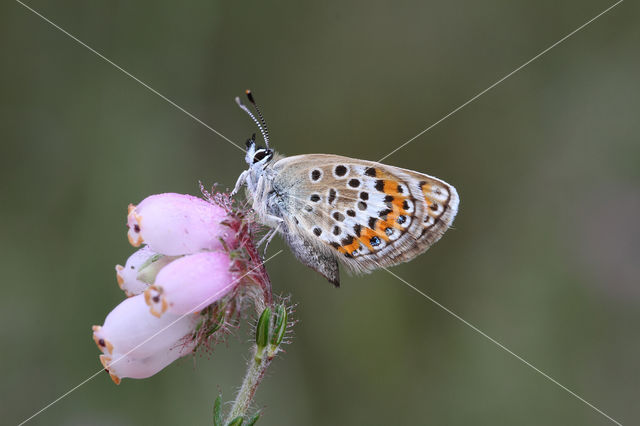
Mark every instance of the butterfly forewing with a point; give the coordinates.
(368, 214)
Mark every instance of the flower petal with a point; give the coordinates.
(175, 224)
(130, 329)
(127, 275)
(121, 366)
(191, 283)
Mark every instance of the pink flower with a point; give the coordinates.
(181, 284)
(176, 224)
(189, 283)
(127, 275)
(132, 336)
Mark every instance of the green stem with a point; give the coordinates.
(258, 364)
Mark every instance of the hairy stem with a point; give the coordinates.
(255, 373)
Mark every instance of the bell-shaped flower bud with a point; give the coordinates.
(132, 331)
(190, 284)
(125, 365)
(176, 224)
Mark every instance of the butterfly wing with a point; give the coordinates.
(366, 214)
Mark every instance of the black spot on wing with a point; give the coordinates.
(383, 213)
(332, 196)
(372, 222)
(347, 241)
(370, 171)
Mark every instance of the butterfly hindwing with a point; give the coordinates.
(366, 214)
(318, 260)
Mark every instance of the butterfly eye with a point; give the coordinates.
(261, 154)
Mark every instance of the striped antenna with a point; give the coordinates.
(262, 120)
(255, 120)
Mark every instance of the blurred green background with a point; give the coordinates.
(544, 257)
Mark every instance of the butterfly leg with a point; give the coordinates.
(242, 179)
(268, 237)
(258, 196)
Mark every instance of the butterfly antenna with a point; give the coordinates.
(265, 134)
(253, 117)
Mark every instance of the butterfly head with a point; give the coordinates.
(257, 156)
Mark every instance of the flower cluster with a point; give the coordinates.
(185, 285)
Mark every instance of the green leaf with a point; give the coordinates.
(149, 269)
(280, 326)
(217, 411)
(253, 420)
(262, 329)
(236, 422)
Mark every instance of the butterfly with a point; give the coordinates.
(331, 208)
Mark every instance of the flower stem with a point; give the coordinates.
(258, 364)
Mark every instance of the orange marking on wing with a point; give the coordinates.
(392, 221)
(430, 212)
(426, 190)
(391, 187)
(349, 248)
(365, 237)
(398, 210)
(381, 225)
(355, 245)
(398, 204)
